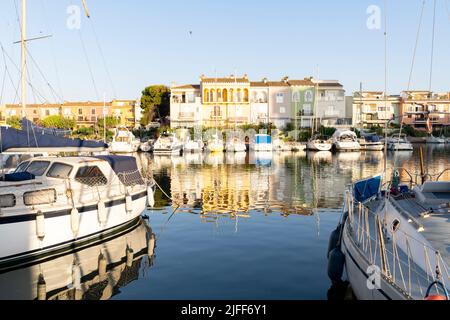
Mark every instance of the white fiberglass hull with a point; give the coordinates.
(400, 147)
(122, 147)
(347, 146)
(262, 147)
(357, 267)
(20, 231)
(372, 147)
(318, 146)
(236, 147)
(215, 146)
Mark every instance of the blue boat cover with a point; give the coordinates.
(372, 138)
(366, 189)
(22, 139)
(18, 177)
(125, 167)
(261, 139)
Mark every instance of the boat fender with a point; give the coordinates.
(151, 246)
(41, 288)
(333, 242)
(438, 297)
(150, 197)
(101, 211)
(130, 257)
(102, 263)
(40, 225)
(336, 263)
(128, 202)
(75, 220)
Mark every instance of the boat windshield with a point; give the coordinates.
(22, 167)
(38, 168)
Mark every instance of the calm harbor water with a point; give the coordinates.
(236, 227)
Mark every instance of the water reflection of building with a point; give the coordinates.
(93, 273)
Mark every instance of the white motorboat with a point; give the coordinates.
(215, 144)
(147, 146)
(280, 145)
(52, 203)
(167, 144)
(371, 143)
(193, 146)
(97, 271)
(124, 141)
(318, 143)
(262, 143)
(394, 243)
(345, 140)
(399, 142)
(235, 145)
(435, 140)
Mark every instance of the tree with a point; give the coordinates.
(111, 122)
(58, 122)
(155, 102)
(14, 122)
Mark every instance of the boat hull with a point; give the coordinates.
(357, 267)
(312, 146)
(58, 234)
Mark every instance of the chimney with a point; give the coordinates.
(285, 79)
(264, 80)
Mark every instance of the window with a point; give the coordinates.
(308, 96)
(282, 110)
(296, 97)
(280, 98)
(80, 111)
(190, 98)
(22, 166)
(59, 171)
(47, 112)
(93, 111)
(7, 201)
(38, 168)
(91, 176)
(39, 197)
(307, 110)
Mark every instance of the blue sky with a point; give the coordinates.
(149, 42)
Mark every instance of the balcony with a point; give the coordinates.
(186, 116)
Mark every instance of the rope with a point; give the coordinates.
(432, 45)
(415, 46)
(102, 57)
(88, 64)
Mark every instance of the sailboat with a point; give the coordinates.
(319, 143)
(55, 204)
(392, 237)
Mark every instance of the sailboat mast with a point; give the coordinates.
(24, 57)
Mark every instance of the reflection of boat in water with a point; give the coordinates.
(348, 156)
(436, 140)
(237, 158)
(214, 158)
(262, 143)
(320, 156)
(95, 272)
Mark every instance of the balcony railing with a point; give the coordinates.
(186, 115)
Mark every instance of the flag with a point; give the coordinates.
(429, 125)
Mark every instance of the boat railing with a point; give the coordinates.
(415, 176)
(368, 231)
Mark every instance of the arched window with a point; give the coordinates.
(232, 95)
(255, 96)
(225, 95)
(238, 95)
(212, 96)
(245, 95)
(219, 95)
(206, 95)
(296, 97)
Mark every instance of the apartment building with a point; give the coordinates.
(417, 106)
(371, 108)
(85, 113)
